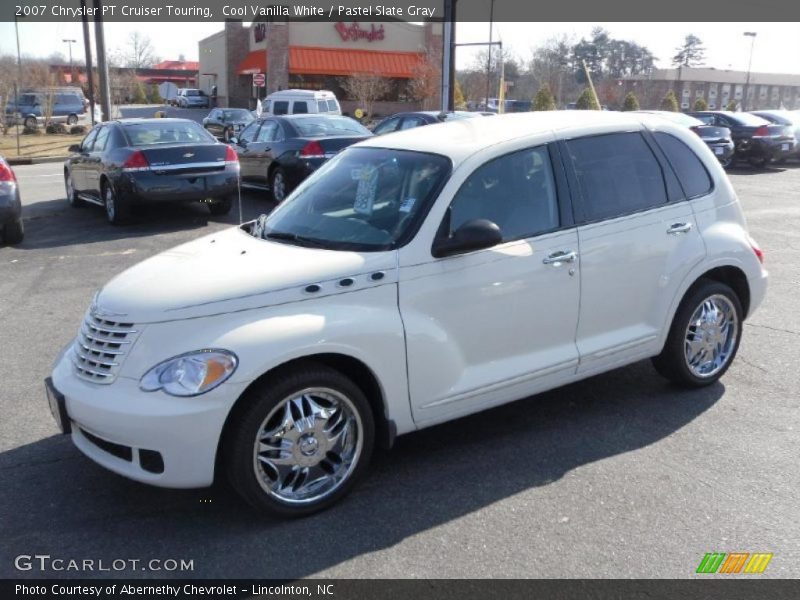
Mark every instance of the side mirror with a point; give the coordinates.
(74, 148)
(476, 234)
(235, 140)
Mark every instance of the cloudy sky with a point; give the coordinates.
(777, 46)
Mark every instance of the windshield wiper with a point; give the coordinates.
(297, 239)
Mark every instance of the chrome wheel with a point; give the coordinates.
(308, 446)
(710, 338)
(278, 186)
(111, 209)
(70, 189)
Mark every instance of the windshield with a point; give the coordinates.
(237, 115)
(364, 199)
(329, 126)
(167, 132)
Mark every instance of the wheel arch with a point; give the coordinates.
(353, 368)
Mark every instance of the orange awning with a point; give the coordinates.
(304, 60)
(255, 62)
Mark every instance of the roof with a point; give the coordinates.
(707, 74)
(182, 65)
(461, 138)
(138, 121)
(254, 62)
(306, 60)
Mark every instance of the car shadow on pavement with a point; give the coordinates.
(57, 502)
(54, 223)
(744, 169)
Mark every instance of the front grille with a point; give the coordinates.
(100, 347)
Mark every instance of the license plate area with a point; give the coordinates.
(719, 150)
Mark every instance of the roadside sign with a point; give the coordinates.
(359, 113)
(259, 79)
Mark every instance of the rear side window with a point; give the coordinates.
(280, 107)
(332, 106)
(690, 170)
(617, 174)
(322, 106)
(300, 108)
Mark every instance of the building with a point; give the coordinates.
(717, 87)
(313, 55)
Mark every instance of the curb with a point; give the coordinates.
(34, 160)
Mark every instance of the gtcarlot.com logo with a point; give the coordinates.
(46, 563)
(734, 562)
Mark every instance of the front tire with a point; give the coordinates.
(302, 442)
(72, 196)
(279, 187)
(30, 122)
(72, 120)
(704, 336)
(13, 232)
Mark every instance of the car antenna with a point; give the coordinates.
(239, 195)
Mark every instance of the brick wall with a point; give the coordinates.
(237, 50)
(278, 57)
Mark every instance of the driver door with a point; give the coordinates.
(489, 326)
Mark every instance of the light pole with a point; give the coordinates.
(69, 43)
(752, 36)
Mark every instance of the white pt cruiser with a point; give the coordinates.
(415, 278)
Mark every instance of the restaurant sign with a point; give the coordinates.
(354, 32)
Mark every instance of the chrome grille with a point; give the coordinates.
(100, 346)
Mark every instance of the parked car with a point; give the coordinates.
(409, 120)
(414, 279)
(11, 226)
(124, 163)
(717, 138)
(277, 153)
(191, 98)
(757, 140)
(67, 106)
(224, 123)
(299, 102)
(787, 118)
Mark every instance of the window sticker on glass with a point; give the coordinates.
(407, 204)
(365, 192)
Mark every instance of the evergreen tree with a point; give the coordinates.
(700, 104)
(669, 102)
(587, 101)
(155, 96)
(138, 94)
(544, 99)
(631, 102)
(691, 54)
(458, 97)
(731, 106)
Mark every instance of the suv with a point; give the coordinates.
(191, 98)
(416, 278)
(68, 106)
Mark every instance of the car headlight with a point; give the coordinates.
(190, 374)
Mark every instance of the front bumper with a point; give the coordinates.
(125, 429)
(148, 187)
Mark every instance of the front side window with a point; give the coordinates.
(411, 122)
(517, 192)
(88, 141)
(365, 199)
(387, 126)
(248, 134)
(268, 132)
(617, 174)
(693, 176)
(100, 141)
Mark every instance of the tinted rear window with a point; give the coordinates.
(329, 126)
(690, 170)
(618, 174)
(168, 132)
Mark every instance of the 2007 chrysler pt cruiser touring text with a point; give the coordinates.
(415, 278)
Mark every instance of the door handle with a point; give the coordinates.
(677, 228)
(562, 256)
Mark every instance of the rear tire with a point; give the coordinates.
(220, 207)
(72, 120)
(13, 232)
(760, 162)
(316, 434)
(698, 349)
(278, 186)
(117, 209)
(30, 122)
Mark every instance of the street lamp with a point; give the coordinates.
(752, 35)
(69, 43)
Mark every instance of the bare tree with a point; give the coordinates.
(366, 89)
(424, 83)
(139, 52)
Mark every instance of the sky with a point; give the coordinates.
(777, 46)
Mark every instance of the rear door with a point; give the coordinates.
(638, 241)
(260, 151)
(78, 163)
(243, 150)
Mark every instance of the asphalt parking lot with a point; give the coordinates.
(621, 475)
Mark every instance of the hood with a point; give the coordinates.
(231, 271)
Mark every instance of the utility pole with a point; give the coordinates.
(449, 55)
(87, 48)
(102, 65)
(752, 36)
(17, 113)
(69, 44)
